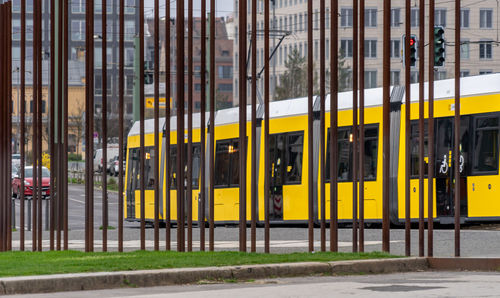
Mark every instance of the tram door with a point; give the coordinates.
(277, 160)
(445, 180)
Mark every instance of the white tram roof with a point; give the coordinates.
(473, 85)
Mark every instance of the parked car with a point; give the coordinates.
(98, 155)
(115, 168)
(28, 183)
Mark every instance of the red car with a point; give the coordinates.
(28, 183)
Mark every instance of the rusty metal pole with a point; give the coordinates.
(189, 186)
(180, 125)
(156, 166)
(22, 141)
(362, 126)
(421, 127)
(386, 126)
(322, 70)
(59, 176)
(40, 126)
(254, 182)
(104, 126)
(121, 93)
(3, 121)
(355, 74)
(9, 123)
(243, 122)
(267, 163)
(167, 126)
(66, 126)
(310, 84)
(53, 154)
(430, 187)
(35, 130)
(89, 144)
(203, 121)
(333, 125)
(142, 158)
(457, 129)
(407, 127)
(212, 125)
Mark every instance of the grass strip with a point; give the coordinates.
(54, 262)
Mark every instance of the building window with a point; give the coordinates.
(486, 18)
(78, 30)
(395, 48)
(346, 47)
(78, 6)
(440, 75)
(395, 17)
(371, 17)
(129, 30)
(370, 78)
(16, 29)
(464, 18)
(129, 87)
(370, 49)
(98, 84)
(316, 19)
(395, 76)
(346, 17)
(464, 73)
(414, 17)
(485, 71)
(226, 87)
(130, 6)
(464, 49)
(440, 17)
(485, 50)
(327, 19)
(16, 5)
(225, 71)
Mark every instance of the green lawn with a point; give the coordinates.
(53, 262)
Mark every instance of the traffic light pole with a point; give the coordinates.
(136, 102)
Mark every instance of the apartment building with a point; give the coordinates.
(480, 53)
(77, 46)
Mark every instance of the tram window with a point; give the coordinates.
(485, 159)
(277, 156)
(414, 149)
(227, 163)
(294, 158)
(344, 143)
(235, 159)
(149, 160)
(371, 151)
(344, 150)
(196, 165)
(133, 169)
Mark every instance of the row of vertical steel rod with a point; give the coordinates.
(59, 126)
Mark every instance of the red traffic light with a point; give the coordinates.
(412, 41)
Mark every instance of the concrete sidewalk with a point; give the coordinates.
(152, 278)
(180, 276)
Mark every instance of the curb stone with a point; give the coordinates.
(163, 277)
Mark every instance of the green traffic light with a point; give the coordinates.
(439, 46)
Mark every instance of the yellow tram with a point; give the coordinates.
(479, 160)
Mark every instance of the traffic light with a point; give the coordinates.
(439, 50)
(412, 42)
(148, 74)
(413, 50)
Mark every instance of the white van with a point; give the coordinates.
(112, 151)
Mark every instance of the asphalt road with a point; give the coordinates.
(478, 241)
(416, 284)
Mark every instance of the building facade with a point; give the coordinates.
(480, 53)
